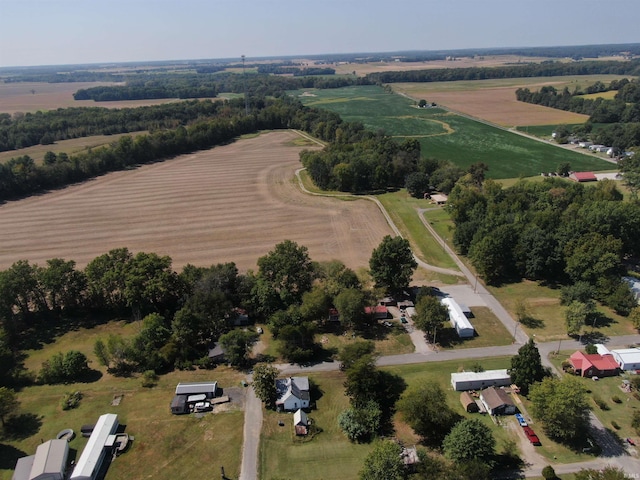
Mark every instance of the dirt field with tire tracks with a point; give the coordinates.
(231, 203)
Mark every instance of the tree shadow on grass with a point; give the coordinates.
(532, 322)
(594, 337)
(600, 320)
(22, 426)
(9, 455)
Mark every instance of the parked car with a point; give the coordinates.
(531, 435)
(521, 420)
(631, 442)
(403, 320)
(202, 407)
(388, 324)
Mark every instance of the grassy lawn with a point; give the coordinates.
(547, 321)
(440, 220)
(165, 447)
(404, 210)
(447, 136)
(606, 389)
(329, 454)
(489, 332)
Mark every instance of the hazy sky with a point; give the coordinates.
(49, 32)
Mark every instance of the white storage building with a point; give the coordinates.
(479, 380)
(458, 319)
(94, 452)
(627, 358)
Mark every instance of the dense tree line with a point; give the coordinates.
(545, 69)
(625, 107)
(21, 176)
(555, 231)
(25, 130)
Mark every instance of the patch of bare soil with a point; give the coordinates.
(230, 203)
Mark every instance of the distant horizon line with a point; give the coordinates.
(187, 61)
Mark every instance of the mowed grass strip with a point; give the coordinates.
(405, 212)
(507, 154)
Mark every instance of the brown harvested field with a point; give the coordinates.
(499, 105)
(461, 62)
(17, 97)
(231, 203)
(74, 145)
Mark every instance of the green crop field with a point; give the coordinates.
(447, 136)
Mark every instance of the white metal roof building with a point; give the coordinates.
(208, 388)
(94, 452)
(458, 319)
(478, 380)
(627, 358)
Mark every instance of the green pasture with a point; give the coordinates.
(166, 446)
(545, 131)
(445, 135)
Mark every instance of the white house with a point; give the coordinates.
(478, 380)
(293, 393)
(627, 358)
(497, 401)
(458, 319)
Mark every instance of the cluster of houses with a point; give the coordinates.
(50, 459)
(605, 363)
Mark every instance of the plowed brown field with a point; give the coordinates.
(231, 203)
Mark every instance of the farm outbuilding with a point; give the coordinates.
(583, 177)
(300, 422)
(179, 405)
(497, 401)
(458, 319)
(468, 403)
(49, 462)
(478, 380)
(627, 358)
(93, 455)
(379, 312)
(208, 388)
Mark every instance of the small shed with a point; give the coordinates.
(379, 312)
(179, 405)
(468, 403)
(217, 353)
(334, 315)
(300, 422)
(439, 198)
(583, 177)
(497, 401)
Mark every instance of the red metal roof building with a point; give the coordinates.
(583, 177)
(593, 365)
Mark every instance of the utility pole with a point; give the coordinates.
(244, 84)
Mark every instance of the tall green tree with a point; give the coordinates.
(384, 463)
(630, 169)
(360, 424)
(8, 404)
(350, 304)
(237, 345)
(431, 314)
(264, 384)
(64, 285)
(284, 275)
(426, 410)
(352, 352)
(526, 367)
(470, 439)
(577, 315)
(607, 473)
(392, 264)
(562, 406)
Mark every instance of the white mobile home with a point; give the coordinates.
(94, 452)
(627, 358)
(478, 380)
(458, 319)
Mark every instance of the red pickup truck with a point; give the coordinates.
(531, 435)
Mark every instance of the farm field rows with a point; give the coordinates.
(495, 100)
(448, 136)
(231, 203)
